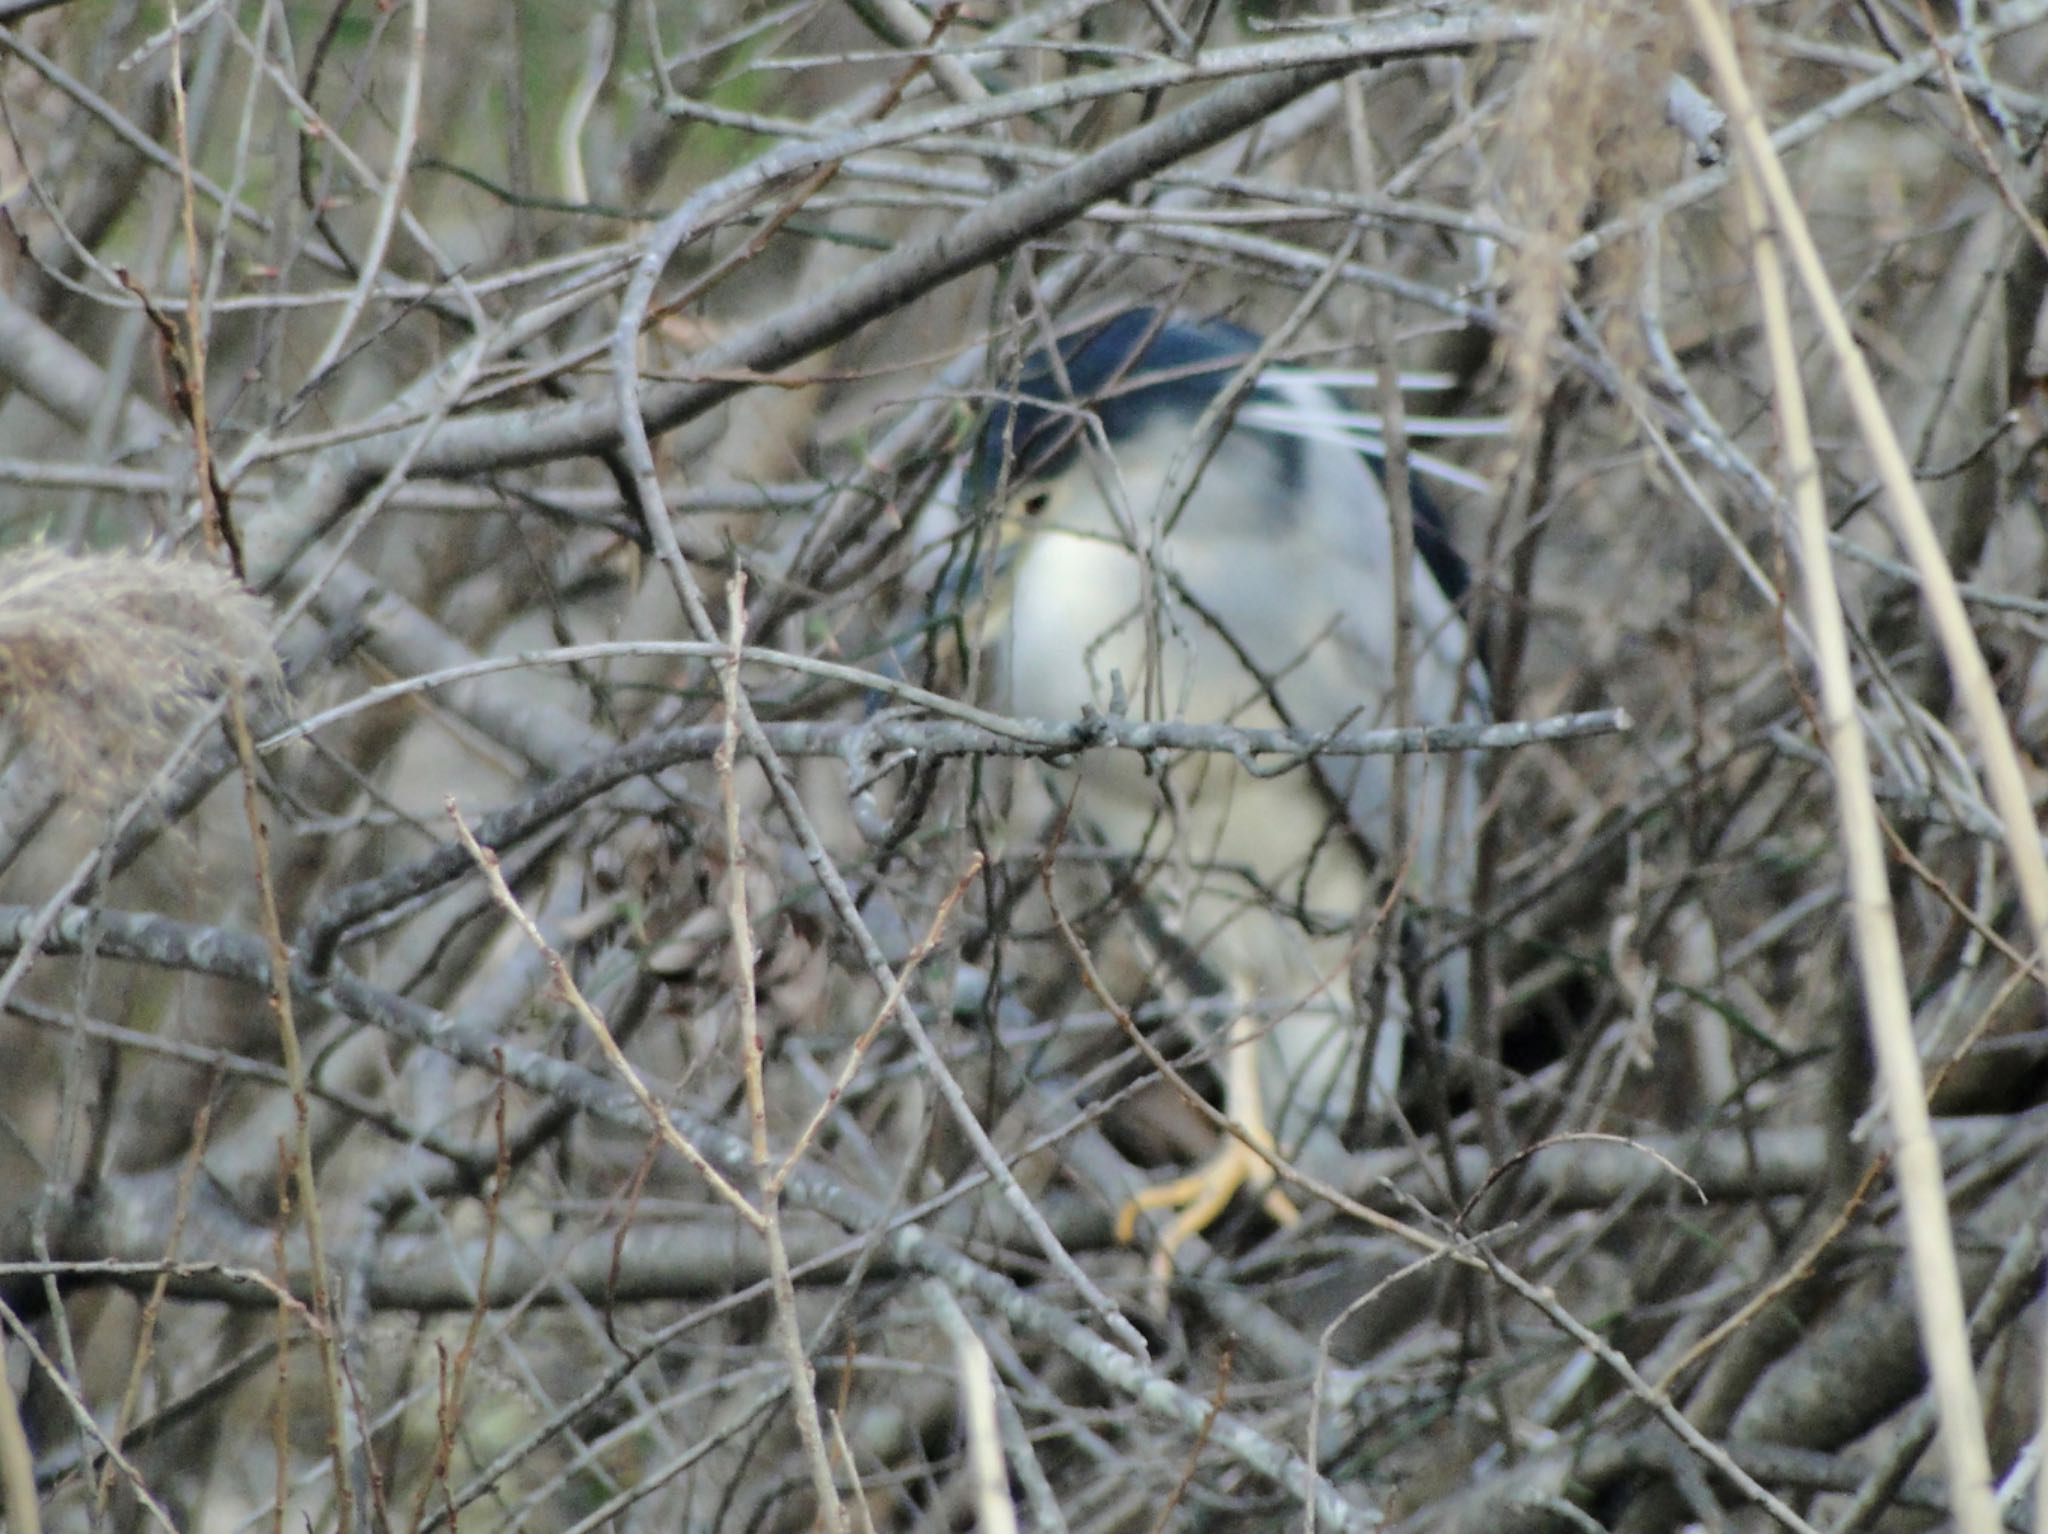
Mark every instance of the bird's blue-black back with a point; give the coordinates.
(1128, 369)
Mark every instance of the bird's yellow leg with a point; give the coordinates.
(1203, 1195)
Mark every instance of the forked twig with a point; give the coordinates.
(594, 1024)
(854, 1055)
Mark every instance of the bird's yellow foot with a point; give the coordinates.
(1202, 1196)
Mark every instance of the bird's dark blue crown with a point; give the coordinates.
(1124, 371)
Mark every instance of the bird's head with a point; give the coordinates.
(1091, 430)
(1096, 426)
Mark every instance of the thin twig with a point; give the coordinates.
(594, 1024)
(769, 1178)
(857, 1052)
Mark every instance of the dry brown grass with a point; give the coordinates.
(103, 658)
(1586, 143)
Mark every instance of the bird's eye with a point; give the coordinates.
(1035, 503)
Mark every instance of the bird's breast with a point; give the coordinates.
(1074, 621)
(1078, 630)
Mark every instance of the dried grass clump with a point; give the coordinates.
(1590, 124)
(104, 656)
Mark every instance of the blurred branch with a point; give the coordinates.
(987, 1473)
(2010, 1290)
(1836, 109)
(178, 945)
(1277, 73)
(119, 1233)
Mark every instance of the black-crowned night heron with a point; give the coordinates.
(1251, 586)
